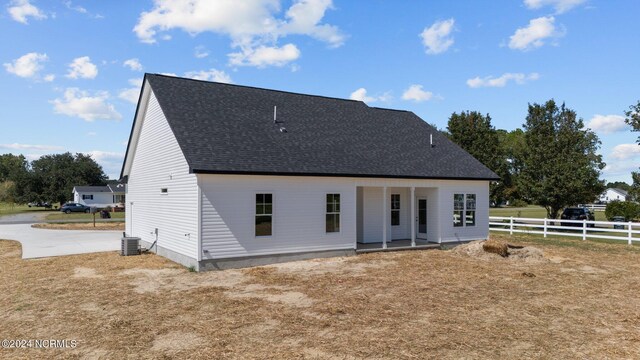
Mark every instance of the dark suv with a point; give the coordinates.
(74, 207)
(577, 213)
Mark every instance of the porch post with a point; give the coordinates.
(384, 217)
(413, 216)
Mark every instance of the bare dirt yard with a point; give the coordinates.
(561, 299)
(81, 226)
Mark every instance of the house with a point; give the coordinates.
(112, 195)
(613, 194)
(222, 176)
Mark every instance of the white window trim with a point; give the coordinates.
(324, 202)
(273, 223)
(464, 210)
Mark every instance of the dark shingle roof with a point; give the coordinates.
(84, 189)
(224, 128)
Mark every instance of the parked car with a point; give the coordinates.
(74, 207)
(577, 213)
(45, 205)
(620, 219)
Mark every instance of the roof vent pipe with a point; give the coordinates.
(275, 114)
(431, 140)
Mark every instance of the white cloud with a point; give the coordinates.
(21, 10)
(490, 81)
(133, 64)
(535, 34)
(77, 8)
(200, 52)
(132, 94)
(415, 93)
(89, 108)
(560, 6)
(361, 95)
(92, 133)
(607, 124)
(625, 151)
(252, 25)
(210, 75)
(27, 66)
(263, 56)
(16, 146)
(437, 38)
(82, 68)
(49, 77)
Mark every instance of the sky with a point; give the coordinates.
(72, 70)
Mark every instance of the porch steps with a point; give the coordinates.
(399, 248)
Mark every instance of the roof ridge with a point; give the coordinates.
(258, 88)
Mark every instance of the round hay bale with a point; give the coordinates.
(496, 247)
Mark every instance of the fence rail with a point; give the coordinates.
(585, 229)
(595, 207)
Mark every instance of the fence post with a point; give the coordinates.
(630, 233)
(545, 227)
(584, 229)
(511, 226)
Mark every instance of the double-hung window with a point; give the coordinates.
(395, 209)
(464, 210)
(333, 213)
(87, 197)
(264, 214)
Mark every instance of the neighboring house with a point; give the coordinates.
(113, 195)
(613, 194)
(227, 176)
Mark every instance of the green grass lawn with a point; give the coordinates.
(9, 209)
(535, 212)
(80, 216)
(567, 241)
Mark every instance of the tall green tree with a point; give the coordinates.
(54, 176)
(14, 174)
(633, 119)
(473, 132)
(560, 164)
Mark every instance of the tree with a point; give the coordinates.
(618, 185)
(560, 166)
(634, 191)
(54, 176)
(473, 132)
(633, 118)
(512, 144)
(629, 210)
(14, 170)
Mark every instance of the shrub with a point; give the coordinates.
(629, 210)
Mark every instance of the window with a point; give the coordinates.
(118, 199)
(471, 210)
(464, 209)
(333, 213)
(164, 191)
(458, 209)
(264, 214)
(87, 197)
(395, 209)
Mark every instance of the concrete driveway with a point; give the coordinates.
(37, 243)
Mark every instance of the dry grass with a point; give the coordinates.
(580, 303)
(81, 226)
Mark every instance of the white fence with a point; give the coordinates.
(579, 228)
(595, 207)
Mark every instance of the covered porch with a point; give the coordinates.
(396, 218)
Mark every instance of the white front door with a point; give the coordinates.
(421, 221)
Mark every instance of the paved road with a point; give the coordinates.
(29, 217)
(37, 243)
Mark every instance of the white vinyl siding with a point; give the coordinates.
(158, 163)
(97, 199)
(299, 211)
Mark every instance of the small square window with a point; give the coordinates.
(164, 190)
